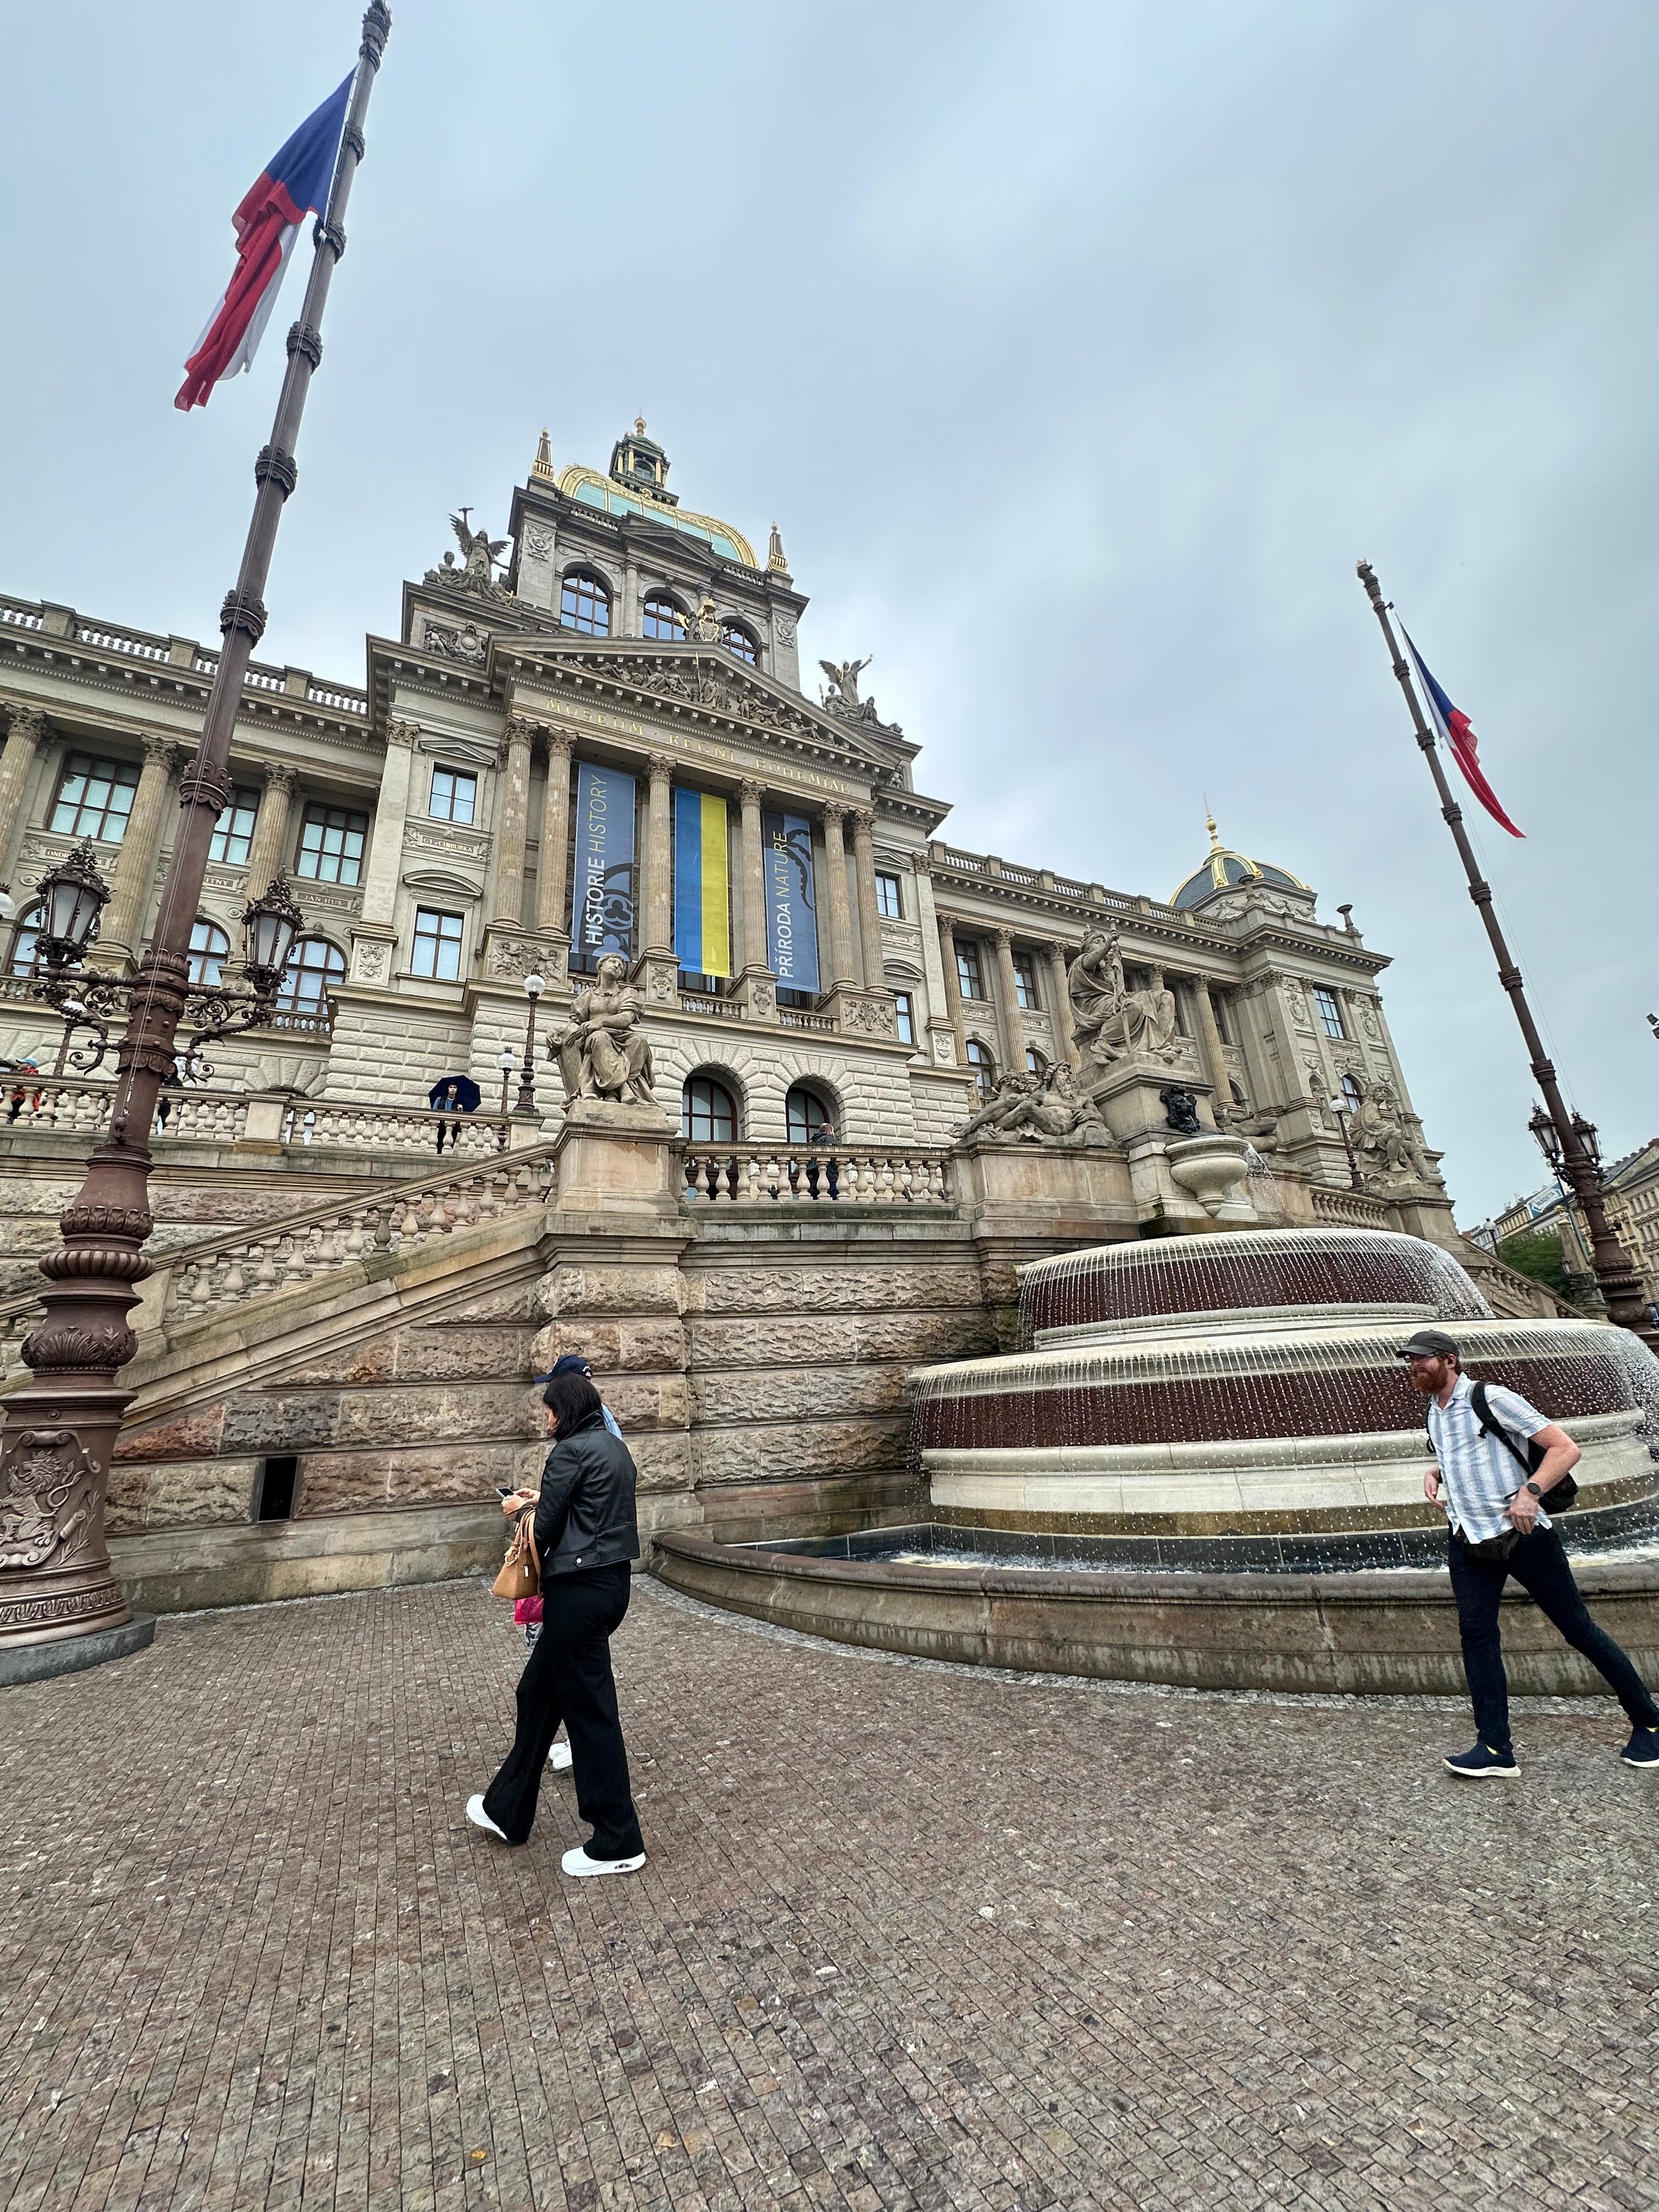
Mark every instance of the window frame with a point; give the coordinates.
(1027, 996)
(1348, 1084)
(904, 1016)
(971, 970)
(440, 940)
(456, 776)
(691, 1107)
(804, 1137)
(117, 781)
(680, 629)
(201, 955)
(584, 584)
(748, 650)
(982, 1061)
(1037, 1062)
(244, 799)
(26, 924)
(885, 880)
(290, 999)
(343, 859)
(1328, 1008)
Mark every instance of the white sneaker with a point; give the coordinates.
(480, 1818)
(577, 1861)
(559, 1758)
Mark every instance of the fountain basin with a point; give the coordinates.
(1372, 1632)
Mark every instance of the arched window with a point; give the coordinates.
(209, 948)
(585, 605)
(1237, 1089)
(707, 1113)
(736, 639)
(663, 618)
(984, 1068)
(807, 1120)
(1034, 1063)
(312, 966)
(1352, 1095)
(25, 942)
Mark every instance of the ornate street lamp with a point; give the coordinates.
(72, 895)
(507, 1063)
(534, 985)
(269, 925)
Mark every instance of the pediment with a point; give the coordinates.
(441, 883)
(705, 678)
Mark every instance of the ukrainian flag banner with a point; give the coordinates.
(703, 928)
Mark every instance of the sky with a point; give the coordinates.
(1079, 351)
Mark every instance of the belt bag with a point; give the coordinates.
(521, 1569)
(1493, 1551)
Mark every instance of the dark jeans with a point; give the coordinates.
(1539, 1566)
(568, 1678)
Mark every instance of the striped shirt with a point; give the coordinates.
(1477, 1475)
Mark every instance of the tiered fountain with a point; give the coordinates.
(1208, 1470)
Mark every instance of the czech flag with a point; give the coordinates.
(1460, 739)
(289, 188)
(702, 933)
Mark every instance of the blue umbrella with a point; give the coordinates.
(466, 1093)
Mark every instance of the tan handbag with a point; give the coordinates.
(521, 1569)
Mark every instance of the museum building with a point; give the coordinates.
(603, 749)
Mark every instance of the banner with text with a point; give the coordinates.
(792, 930)
(602, 899)
(702, 922)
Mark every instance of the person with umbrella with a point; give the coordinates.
(452, 1094)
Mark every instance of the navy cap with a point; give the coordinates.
(1428, 1344)
(570, 1362)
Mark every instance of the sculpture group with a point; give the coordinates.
(1110, 1021)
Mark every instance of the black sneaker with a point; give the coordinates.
(1483, 1763)
(1643, 1749)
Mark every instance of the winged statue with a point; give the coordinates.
(480, 551)
(844, 676)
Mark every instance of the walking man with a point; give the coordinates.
(1498, 1528)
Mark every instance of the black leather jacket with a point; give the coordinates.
(584, 1516)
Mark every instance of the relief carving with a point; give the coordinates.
(40, 1513)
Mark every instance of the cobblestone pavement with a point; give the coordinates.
(909, 1935)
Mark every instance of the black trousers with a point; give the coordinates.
(1539, 1566)
(568, 1678)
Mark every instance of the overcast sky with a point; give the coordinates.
(1077, 350)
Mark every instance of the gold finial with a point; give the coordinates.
(639, 426)
(542, 468)
(774, 553)
(1209, 824)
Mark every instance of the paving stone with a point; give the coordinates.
(909, 1935)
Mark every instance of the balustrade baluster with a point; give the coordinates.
(751, 1177)
(383, 1229)
(232, 1285)
(265, 1272)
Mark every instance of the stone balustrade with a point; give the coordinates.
(817, 1175)
(72, 1104)
(1348, 1209)
(350, 1126)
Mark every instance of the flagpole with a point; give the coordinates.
(1620, 1286)
(58, 1588)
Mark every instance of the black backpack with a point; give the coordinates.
(1526, 1451)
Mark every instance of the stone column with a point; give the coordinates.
(373, 935)
(947, 946)
(1209, 1037)
(268, 854)
(123, 925)
(659, 881)
(1062, 1004)
(756, 985)
(552, 891)
(864, 874)
(24, 731)
(513, 823)
(841, 918)
(1013, 1037)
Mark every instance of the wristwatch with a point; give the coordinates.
(1531, 1487)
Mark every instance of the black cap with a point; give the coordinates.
(570, 1362)
(1428, 1344)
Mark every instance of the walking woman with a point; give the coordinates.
(585, 1535)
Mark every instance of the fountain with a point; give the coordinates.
(1204, 1467)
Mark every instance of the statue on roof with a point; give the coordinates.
(843, 697)
(480, 553)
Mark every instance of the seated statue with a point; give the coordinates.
(603, 1051)
(1108, 1020)
(1380, 1137)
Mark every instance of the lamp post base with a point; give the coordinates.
(63, 1654)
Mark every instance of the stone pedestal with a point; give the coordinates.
(616, 1161)
(1128, 1095)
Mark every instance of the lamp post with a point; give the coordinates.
(1340, 1100)
(507, 1063)
(1548, 1140)
(534, 985)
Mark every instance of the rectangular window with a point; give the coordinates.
(454, 796)
(233, 835)
(968, 974)
(905, 1014)
(889, 904)
(95, 797)
(332, 841)
(437, 950)
(1025, 982)
(1221, 1005)
(1328, 1008)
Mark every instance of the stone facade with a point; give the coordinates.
(753, 1262)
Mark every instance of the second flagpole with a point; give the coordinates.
(1620, 1286)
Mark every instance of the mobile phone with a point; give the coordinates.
(503, 1490)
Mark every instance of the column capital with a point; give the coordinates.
(835, 813)
(281, 778)
(24, 725)
(864, 820)
(1002, 938)
(946, 927)
(560, 744)
(160, 752)
(660, 766)
(750, 791)
(402, 733)
(521, 731)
